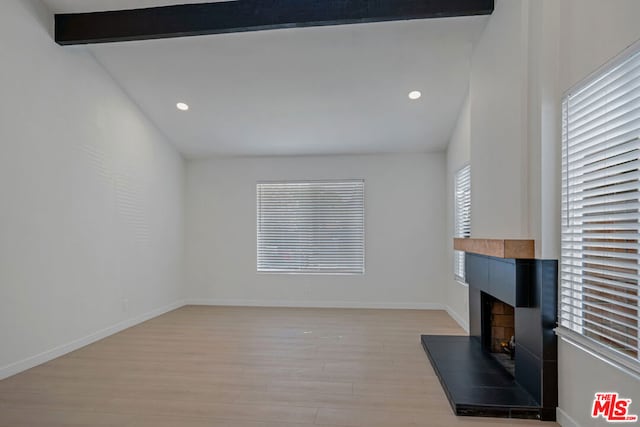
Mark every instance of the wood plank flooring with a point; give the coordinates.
(246, 367)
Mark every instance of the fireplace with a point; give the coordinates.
(499, 331)
(507, 366)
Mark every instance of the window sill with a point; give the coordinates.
(460, 280)
(306, 273)
(611, 357)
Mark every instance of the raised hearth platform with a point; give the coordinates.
(474, 382)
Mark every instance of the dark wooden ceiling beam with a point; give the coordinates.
(248, 15)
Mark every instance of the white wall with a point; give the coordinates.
(590, 35)
(458, 155)
(491, 135)
(91, 199)
(405, 228)
(530, 53)
(498, 125)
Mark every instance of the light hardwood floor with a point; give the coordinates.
(246, 367)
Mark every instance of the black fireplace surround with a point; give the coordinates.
(475, 383)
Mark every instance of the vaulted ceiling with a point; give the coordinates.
(325, 90)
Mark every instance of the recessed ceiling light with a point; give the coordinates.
(182, 106)
(415, 94)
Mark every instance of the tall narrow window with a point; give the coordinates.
(311, 227)
(462, 220)
(600, 212)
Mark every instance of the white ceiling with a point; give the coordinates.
(323, 90)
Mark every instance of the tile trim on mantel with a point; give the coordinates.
(499, 248)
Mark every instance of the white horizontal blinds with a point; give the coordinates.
(600, 208)
(462, 226)
(311, 227)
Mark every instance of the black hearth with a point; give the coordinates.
(507, 367)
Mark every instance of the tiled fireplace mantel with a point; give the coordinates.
(499, 248)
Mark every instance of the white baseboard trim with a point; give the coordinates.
(464, 324)
(564, 419)
(33, 361)
(313, 304)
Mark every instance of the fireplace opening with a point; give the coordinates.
(498, 334)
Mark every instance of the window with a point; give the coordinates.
(311, 227)
(462, 212)
(600, 212)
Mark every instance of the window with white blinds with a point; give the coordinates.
(462, 220)
(600, 212)
(311, 227)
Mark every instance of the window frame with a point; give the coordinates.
(595, 347)
(461, 176)
(312, 272)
